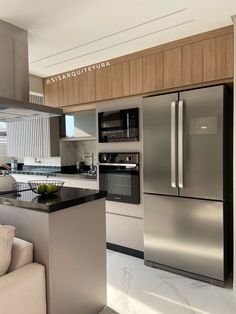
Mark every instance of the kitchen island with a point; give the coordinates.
(68, 233)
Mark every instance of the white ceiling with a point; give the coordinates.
(68, 34)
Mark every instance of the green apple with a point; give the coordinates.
(51, 188)
(42, 188)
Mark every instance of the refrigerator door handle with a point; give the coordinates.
(181, 144)
(173, 145)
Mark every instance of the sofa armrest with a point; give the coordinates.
(22, 254)
(23, 291)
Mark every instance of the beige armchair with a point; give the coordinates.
(22, 289)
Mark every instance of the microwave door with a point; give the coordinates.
(111, 120)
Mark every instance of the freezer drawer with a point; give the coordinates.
(186, 234)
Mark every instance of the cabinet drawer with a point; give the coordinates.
(124, 231)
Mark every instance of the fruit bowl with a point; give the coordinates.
(45, 187)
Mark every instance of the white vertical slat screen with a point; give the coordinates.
(3, 140)
(36, 98)
(29, 138)
(3, 145)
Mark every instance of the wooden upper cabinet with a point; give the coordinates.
(75, 90)
(199, 59)
(51, 94)
(135, 76)
(172, 68)
(112, 81)
(197, 62)
(119, 80)
(162, 70)
(218, 58)
(88, 83)
(192, 63)
(153, 72)
(208, 60)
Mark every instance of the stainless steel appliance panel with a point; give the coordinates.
(159, 140)
(200, 161)
(185, 234)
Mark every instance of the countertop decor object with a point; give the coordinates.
(45, 187)
(6, 182)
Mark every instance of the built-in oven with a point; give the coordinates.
(119, 125)
(119, 176)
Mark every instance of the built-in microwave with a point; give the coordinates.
(119, 125)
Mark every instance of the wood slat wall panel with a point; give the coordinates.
(192, 63)
(136, 76)
(153, 68)
(209, 59)
(224, 56)
(88, 87)
(172, 72)
(102, 85)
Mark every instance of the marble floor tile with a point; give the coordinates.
(108, 310)
(138, 289)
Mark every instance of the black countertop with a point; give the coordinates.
(67, 197)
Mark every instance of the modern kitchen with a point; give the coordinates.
(117, 158)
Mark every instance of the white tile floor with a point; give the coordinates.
(138, 289)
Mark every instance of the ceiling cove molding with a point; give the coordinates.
(111, 35)
(120, 43)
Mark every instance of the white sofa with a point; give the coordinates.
(22, 289)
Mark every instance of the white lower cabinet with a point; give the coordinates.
(67, 182)
(26, 177)
(84, 184)
(76, 183)
(124, 231)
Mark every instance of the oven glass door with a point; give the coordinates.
(121, 183)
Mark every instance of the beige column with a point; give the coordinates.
(234, 160)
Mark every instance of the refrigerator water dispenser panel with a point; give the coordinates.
(203, 125)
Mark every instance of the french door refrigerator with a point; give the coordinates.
(187, 182)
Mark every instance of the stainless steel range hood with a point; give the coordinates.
(14, 78)
(14, 110)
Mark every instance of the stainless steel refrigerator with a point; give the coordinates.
(187, 182)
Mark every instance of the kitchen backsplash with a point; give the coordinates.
(85, 147)
(50, 161)
(71, 152)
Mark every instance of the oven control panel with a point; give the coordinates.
(119, 158)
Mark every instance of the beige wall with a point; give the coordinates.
(35, 84)
(234, 195)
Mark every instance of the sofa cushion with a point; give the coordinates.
(22, 254)
(7, 234)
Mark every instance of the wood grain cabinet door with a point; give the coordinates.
(136, 76)
(218, 58)
(73, 90)
(172, 68)
(112, 81)
(51, 94)
(192, 63)
(153, 72)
